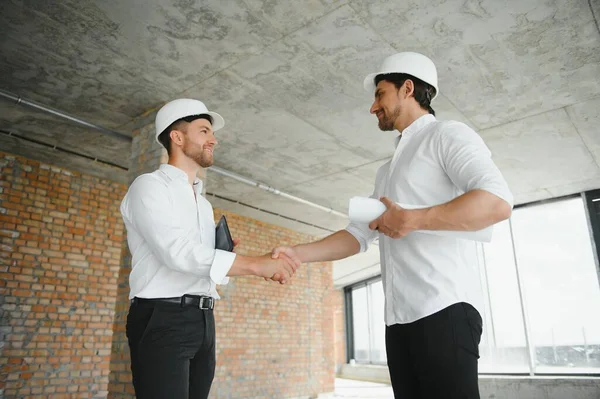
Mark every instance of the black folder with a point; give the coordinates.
(223, 238)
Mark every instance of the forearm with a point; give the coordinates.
(244, 266)
(471, 211)
(338, 245)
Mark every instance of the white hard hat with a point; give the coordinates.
(181, 108)
(410, 63)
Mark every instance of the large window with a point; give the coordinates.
(368, 325)
(503, 345)
(539, 279)
(560, 286)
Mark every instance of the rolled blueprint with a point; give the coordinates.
(365, 210)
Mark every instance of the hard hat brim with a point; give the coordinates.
(218, 121)
(369, 82)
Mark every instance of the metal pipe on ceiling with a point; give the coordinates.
(221, 171)
(274, 190)
(40, 107)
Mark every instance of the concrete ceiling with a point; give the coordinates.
(287, 77)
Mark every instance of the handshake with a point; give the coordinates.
(280, 265)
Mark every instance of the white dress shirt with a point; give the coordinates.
(434, 162)
(171, 236)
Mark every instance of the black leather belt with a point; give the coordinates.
(197, 301)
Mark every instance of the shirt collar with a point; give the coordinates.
(174, 173)
(417, 125)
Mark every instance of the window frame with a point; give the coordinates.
(350, 318)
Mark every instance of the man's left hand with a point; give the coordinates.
(395, 222)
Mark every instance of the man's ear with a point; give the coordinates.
(176, 136)
(409, 88)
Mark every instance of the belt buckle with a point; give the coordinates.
(206, 303)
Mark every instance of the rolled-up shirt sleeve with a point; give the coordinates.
(145, 206)
(361, 231)
(468, 162)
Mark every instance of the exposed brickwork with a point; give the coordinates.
(59, 261)
(120, 374)
(64, 269)
(274, 341)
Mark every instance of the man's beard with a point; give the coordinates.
(386, 123)
(203, 158)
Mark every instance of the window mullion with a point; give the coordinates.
(526, 323)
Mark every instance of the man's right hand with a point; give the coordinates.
(290, 252)
(283, 252)
(281, 269)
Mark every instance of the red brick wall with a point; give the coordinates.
(274, 341)
(59, 260)
(63, 298)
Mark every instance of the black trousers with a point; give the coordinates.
(436, 357)
(172, 350)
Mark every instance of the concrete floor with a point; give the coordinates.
(497, 387)
(361, 390)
